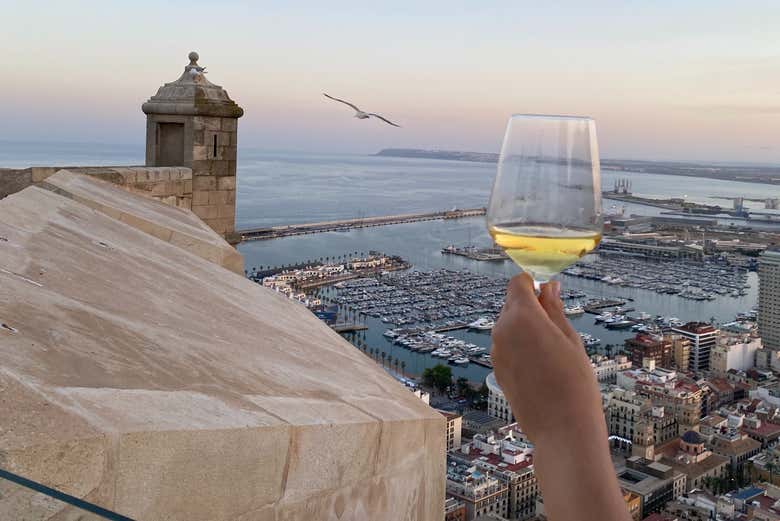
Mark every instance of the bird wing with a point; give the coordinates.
(341, 101)
(383, 119)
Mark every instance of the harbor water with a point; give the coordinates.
(420, 243)
(292, 187)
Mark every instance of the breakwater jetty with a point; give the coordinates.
(274, 232)
(478, 254)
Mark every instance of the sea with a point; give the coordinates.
(286, 187)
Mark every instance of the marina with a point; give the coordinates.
(445, 315)
(418, 307)
(704, 280)
(437, 299)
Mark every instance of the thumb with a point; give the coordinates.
(550, 299)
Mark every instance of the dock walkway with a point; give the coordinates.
(348, 327)
(596, 308)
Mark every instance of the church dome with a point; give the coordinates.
(692, 438)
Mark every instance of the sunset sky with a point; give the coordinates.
(663, 81)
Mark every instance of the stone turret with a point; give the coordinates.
(192, 122)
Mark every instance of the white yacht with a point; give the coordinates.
(574, 310)
(483, 324)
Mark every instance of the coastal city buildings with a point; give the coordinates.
(498, 406)
(453, 430)
(480, 422)
(507, 455)
(703, 338)
(735, 445)
(645, 346)
(480, 492)
(634, 504)
(606, 369)
(625, 413)
(681, 398)
(765, 432)
(655, 483)
(769, 298)
(734, 351)
(688, 455)
(681, 347)
(454, 509)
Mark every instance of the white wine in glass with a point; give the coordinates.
(545, 207)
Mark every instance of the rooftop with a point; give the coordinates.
(697, 328)
(494, 459)
(692, 437)
(192, 94)
(747, 493)
(481, 418)
(721, 385)
(765, 429)
(735, 447)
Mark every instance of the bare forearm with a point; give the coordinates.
(546, 376)
(576, 476)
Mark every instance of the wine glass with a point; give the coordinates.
(545, 207)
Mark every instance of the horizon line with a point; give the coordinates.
(142, 145)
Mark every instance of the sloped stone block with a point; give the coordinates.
(144, 378)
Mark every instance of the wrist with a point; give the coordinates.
(577, 432)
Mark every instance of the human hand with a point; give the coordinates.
(541, 365)
(548, 380)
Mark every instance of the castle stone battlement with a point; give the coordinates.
(139, 374)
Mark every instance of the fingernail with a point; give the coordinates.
(556, 288)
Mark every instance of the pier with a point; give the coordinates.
(478, 254)
(449, 327)
(348, 327)
(596, 308)
(274, 232)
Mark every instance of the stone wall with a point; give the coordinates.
(144, 377)
(214, 175)
(170, 185)
(212, 158)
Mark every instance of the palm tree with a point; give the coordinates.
(384, 355)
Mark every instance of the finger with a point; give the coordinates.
(520, 291)
(550, 299)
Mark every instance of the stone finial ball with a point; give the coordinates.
(193, 56)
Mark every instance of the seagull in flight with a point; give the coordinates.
(359, 113)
